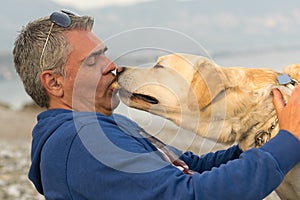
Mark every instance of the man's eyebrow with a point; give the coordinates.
(96, 53)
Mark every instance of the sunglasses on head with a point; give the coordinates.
(61, 19)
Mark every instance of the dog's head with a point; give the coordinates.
(176, 87)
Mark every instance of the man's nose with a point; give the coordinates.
(109, 68)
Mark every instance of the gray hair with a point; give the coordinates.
(28, 48)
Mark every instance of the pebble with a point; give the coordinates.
(14, 166)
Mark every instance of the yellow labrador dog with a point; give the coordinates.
(226, 104)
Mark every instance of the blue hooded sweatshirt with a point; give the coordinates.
(78, 155)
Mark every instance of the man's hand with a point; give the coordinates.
(289, 114)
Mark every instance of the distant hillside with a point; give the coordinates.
(186, 26)
(16, 13)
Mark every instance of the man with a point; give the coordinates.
(81, 150)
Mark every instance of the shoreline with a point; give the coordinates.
(16, 125)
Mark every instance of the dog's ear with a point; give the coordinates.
(293, 71)
(206, 84)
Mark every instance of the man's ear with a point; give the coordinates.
(52, 82)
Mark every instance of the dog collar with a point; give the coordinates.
(286, 80)
(262, 136)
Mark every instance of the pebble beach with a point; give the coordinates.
(15, 141)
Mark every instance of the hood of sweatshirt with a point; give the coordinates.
(51, 120)
(45, 127)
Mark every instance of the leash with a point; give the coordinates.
(167, 153)
(263, 136)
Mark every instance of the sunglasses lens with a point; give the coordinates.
(60, 19)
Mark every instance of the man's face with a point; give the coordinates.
(88, 75)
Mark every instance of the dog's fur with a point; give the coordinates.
(226, 104)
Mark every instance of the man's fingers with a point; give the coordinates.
(278, 100)
(296, 93)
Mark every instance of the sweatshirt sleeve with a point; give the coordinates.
(261, 169)
(210, 160)
(285, 149)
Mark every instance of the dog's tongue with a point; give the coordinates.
(115, 85)
(146, 98)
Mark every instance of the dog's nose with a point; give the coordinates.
(120, 70)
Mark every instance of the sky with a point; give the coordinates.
(89, 4)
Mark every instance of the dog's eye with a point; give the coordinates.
(158, 66)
